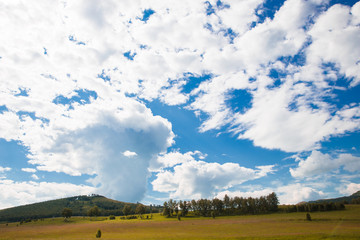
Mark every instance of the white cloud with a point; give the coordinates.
(271, 124)
(2, 172)
(287, 194)
(197, 179)
(349, 162)
(29, 170)
(278, 112)
(258, 193)
(355, 12)
(35, 177)
(239, 15)
(87, 39)
(349, 188)
(129, 154)
(318, 164)
(20, 193)
(175, 42)
(335, 36)
(4, 169)
(173, 158)
(10, 126)
(295, 193)
(101, 149)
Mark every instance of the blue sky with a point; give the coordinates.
(150, 100)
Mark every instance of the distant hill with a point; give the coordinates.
(78, 204)
(347, 199)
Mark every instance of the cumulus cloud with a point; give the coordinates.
(173, 158)
(73, 97)
(295, 193)
(2, 172)
(35, 177)
(349, 188)
(292, 193)
(101, 149)
(197, 179)
(179, 39)
(239, 15)
(29, 170)
(252, 194)
(20, 193)
(4, 169)
(319, 163)
(279, 110)
(128, 153)
(334, 39)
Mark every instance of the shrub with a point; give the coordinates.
(98, 233)
(112, 217)
(308, 217)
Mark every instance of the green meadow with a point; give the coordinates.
(344, 224)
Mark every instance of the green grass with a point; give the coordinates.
(325, 225)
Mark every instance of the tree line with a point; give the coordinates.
(95, 211)
(355, 201)
(221, 207)
(314, 207)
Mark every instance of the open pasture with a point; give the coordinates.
(324, 225)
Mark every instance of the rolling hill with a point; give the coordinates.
(78, 204)
(347, 199)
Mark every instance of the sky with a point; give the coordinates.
(143, 101)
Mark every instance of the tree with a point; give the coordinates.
(66, 213)
(204, 206)
(195, 207)
(172, 205)
(217, 205)
(176, 210)
(184, 208)
(140, 209)
(98, 233)
(238, 205)
(251, 205)
(126, 209)
(166, 210)
(273, 202)
(263, 205)
(94, 211)
(226, 202)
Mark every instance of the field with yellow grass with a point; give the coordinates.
(344, 224)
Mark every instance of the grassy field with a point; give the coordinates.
(324, 225)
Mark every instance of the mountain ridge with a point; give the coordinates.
(80, 205)
(346, 199)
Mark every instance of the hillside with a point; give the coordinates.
(78, 204)
(347, 199)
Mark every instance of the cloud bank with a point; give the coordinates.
(76, 78)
